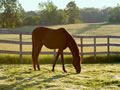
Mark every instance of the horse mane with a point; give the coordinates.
(73, 45)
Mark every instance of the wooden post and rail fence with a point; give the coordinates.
(108, 44)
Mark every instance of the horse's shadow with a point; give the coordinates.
(20, 84)
(55, 77)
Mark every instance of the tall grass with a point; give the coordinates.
(27, 59)
(48, 59)
(102, 59)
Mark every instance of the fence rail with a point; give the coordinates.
(81, 45)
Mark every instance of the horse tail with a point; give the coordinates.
(32, 51)
(33, 46)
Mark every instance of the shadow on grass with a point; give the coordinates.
(21, 85)
(13, 86)
(41, 83)
(92, 27)
(111, 23)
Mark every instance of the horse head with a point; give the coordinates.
(76, 63)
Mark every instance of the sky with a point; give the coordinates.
(32, 5)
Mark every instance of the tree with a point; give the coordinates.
(73, 12)
(114, 14)
(105, 12)
(11, 11)
(48, 13)
(31, 20)
(93, 15)
(62, 17)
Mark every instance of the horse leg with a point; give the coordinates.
(62, 59)
(56, 58)
(35, 54)
(33, 57)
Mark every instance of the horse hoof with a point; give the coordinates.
(34, 69)
(53, 70)
(65, 71)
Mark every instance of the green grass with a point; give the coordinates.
(16, 76)
(48, 59)
(93, 76)
(27, 59)
(101, 59)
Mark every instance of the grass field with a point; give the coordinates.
(75, 29)
(15, 76)
(81, 29)
(93, 76)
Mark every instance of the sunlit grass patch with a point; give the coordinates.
(93, 76)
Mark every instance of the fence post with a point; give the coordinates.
(108, 47)
(20, 37)
(95, 48)
(82, 48)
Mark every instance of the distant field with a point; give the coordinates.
(92, 77)
(82, 29)
(75, 29)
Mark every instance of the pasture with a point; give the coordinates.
(93, 76)
(92, 29)
(15, 76)
(75, 29)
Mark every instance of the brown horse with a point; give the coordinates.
(54, 39)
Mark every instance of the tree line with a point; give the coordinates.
(12, 14)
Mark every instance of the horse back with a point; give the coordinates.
(51, 38)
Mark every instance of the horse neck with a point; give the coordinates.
(73, 47)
